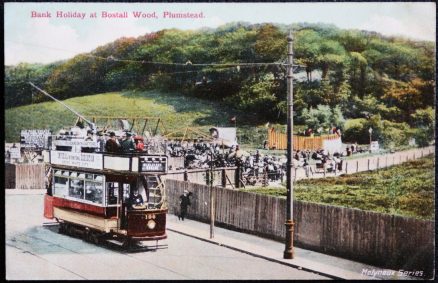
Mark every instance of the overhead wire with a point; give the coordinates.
(187, 63)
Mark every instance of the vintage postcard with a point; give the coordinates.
(227, 141)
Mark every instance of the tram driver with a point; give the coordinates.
(136, 200)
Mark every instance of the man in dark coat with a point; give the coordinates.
(127, 144)
(135, 199)
(112, 144)
(184, 202)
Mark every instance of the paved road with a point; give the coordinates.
(35, 251)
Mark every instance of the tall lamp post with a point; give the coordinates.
(212, 208)
(370, 130)
(289, 251)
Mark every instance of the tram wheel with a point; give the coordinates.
(61, 229)
(94, 238)
(126, 243)
(69, 229)
(87, 236)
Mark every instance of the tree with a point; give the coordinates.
(424, 120)
(323, 117)
(271, 44)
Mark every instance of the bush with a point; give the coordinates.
(355, 131)
(389, 134)
(422, 137)
(322, 117)
(396, 134)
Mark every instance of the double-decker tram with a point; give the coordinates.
(102, 193)
(92, 193)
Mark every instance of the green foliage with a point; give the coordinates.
(362, 72)
(260, 98)
(389, 134)
(423, 137)
(322, 117)
(176, 111)
(17, 88)
(424, 120)
(355, 131)
(406, 190)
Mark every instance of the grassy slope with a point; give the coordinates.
(406, 190)
(176, 111)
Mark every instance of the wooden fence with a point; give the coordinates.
(9, 176)
(24, 176)
(277, 140)
(379, 239)
(224, 177)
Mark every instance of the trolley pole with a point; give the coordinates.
(289, 249)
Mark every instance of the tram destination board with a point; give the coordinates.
(153, 163)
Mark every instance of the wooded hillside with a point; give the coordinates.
(356, 74)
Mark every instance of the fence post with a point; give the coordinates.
(224, 178)
(414, 155)
(207, 177)
(186, 176)
(368, 164)
(346, 167)
(295, 175)
(237, 177)
(386, 160)
(378, 161)
(357, 166)
(421, 153)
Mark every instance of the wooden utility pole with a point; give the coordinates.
(212, 214)
(289, 248)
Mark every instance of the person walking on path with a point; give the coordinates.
(184, 202)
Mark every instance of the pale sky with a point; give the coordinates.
(43, 40)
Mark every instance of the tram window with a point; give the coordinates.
(94, 192)
(60, 186)
(113, 192)
(98, 178)
(126, 191)
(58, 172)
(81, 175)
(76, 188)
(89, 176)
(65, 173)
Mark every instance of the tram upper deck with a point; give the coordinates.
(80, 153)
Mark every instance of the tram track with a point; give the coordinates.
(35, 250)
(44, 259)
(110, 250)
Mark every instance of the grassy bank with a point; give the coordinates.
(406, 190)
(176, 111)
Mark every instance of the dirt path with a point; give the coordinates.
(370, 163)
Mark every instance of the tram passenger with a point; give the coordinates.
(127, 144)
(101, 141)
(90, 136)
(139, 145)
(112, 145)
(135, 200)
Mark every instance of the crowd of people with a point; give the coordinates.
(107, 141)
(201, 154)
